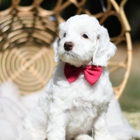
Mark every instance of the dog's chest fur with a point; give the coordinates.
(80, 101)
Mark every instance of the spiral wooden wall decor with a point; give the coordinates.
(27, 32)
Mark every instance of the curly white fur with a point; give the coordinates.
(67, 111)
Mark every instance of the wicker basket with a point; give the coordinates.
(26, 35)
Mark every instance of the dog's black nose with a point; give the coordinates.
(68, 46)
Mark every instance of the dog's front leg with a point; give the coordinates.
(56, 128)
(101, 130)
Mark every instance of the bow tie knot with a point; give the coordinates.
(91, 73)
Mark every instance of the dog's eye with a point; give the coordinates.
(84, 36)
(65, 34)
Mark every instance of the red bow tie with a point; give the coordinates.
(92, 73)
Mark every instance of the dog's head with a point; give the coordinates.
(83, 40)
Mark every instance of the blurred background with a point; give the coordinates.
(130, 99)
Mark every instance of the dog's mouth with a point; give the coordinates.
(69, 55)
(73, 59)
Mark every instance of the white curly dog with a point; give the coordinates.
(77, 97)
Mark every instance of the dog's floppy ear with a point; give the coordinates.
(55, 47)
(56, 44)
(104, 48)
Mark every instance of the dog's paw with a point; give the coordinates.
(83, 137)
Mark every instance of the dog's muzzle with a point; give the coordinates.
(68, 46)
